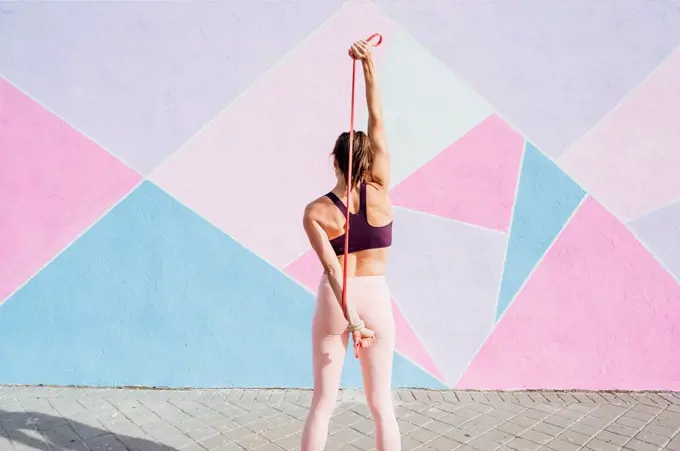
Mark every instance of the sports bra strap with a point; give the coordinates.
(362, 201)
(338, 203)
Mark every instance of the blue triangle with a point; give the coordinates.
(546, 198)
(154, 295)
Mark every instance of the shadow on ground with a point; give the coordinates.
(51, 433)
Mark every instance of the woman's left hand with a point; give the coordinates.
(360, 50)
(362, 339)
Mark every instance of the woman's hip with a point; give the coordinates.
(370, 296)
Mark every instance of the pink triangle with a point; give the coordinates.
(54, 184)
(410, 346)
(473, 180)
(307, 271)
(599, 313)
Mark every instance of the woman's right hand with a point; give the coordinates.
(363, 338)
(360, 50)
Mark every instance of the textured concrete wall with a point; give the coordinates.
(155, 158)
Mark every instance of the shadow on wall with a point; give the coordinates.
(49, 433)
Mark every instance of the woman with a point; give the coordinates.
(368, 316)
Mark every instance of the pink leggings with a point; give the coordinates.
(371, 297)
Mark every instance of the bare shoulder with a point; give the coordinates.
(379, 203)
(317, 209)
(378, 188)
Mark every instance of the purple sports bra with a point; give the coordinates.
(363, 236)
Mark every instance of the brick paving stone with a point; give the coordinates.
(483, 444)
(674, 444)
(289, 442)
(464, 397)
(583, 408)
(568, 398)
(539, 411)
(571, 413)
(639, 445)
(522, 444)
(512, 428)
(652, 409)
(596, 397)
(639, 415)
(252, 442)
(574, 437)
(536, 436)
(660, 430)
(582, 397)
(598, 423)
(238, 419)
(670, 397)
(494, 398)
(559, 421)
(538, 397)
(444, 443)
(438, 427)
(584, 429)
(524, 399)
(620, 429)
(652, 438)
(610, 437)
(549, 429)
(612, 398)
(561, 445)
(501, 413)
(480, 397)
(498, 436)
(422, 435)
(631, 422)
(523, 420)
(599, 445)
(459, 435)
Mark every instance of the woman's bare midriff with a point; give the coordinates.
(371, 262)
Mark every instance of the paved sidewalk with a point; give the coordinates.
(70, 419)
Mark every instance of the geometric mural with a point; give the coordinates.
(484, 164)
(552, 69)
(546, 198)
(156, 159)
(638, 138)
(54, 184)
(157, 296)
(156, 71)
(575, 325)
(659, 231)
(458, 268)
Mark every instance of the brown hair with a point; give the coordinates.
(362, 156)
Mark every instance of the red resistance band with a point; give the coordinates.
(377, 36)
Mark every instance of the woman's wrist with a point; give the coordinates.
(354, 326)
(353, 318)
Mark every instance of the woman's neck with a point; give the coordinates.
(341, 186)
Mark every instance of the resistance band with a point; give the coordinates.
(377, 36)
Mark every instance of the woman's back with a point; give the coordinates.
(370, 232)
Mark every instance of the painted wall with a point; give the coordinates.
(155, 158)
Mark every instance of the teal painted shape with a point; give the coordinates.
(154, 295)
(546, 198)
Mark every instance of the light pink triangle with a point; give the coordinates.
(473, 180)
(599, 313)
(307, 271)
(54, 184)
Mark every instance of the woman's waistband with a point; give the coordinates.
(358, 279)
